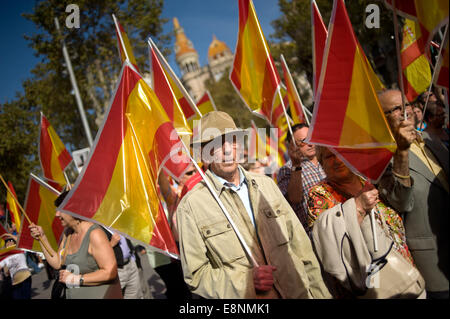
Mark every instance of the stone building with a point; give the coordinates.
(193, 75)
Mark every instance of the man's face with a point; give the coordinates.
(438, 117)
(224, 157)
(307, 150)
(335, 169)
(391, 103)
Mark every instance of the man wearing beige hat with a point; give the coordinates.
(271, 257)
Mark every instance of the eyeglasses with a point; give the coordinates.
(190, 172)
(395, 109)
(301, 143)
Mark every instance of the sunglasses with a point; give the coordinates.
(301, 142)
(395, 109)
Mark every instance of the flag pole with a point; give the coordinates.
(434, 74)
(285, 114)
(399, 61)
(295, 89)
(24, 213)
(119, 33)
(75, 88)
(41, 181)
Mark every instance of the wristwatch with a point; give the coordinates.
(296, 168)
(81, 280)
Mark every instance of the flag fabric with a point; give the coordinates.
(431, 16)
(118, 186)
(53, 155)
(2, 232)
(40, 208)
(205, 105)
(262, 146)
(178, 104)
(442, 75)
(6, 252)
(348, 117)
(295, 103)
(124, 44)
(319, 38)
(415, 66)
(253, 73)
(12, 206)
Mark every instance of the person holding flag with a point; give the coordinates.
(84, 250)
(277, 260)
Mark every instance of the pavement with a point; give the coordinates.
(41, 285)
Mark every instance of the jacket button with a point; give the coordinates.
(228, 226)
(208, 232)
(278, 212)
(338, 214)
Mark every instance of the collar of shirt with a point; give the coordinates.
(226, 183)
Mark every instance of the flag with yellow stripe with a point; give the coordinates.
(123, 43)
(40, 208)
(53, 155)
(118, 186)
(348, 116)
(295, 103)
(12, 207)
(253, 74)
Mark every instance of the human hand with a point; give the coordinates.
(366, 200)
(68, 278)
(36, 231)
(263, 277)
(405, 134)
(295, 154)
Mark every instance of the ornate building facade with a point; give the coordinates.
(193, 75)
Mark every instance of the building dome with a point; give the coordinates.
(182, 44)
(216, 48)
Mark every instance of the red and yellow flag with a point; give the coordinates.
(431, 16)
(40, 208)
(295, 103)
(118, 186)
(123, 44)
(205, 105)
(319, 38)
(6, 252)
(442, 66)
(170, 94)
(11, 205)
(348, 114)
(53, 154)
(415, 66)
(253, 74)
(2, 232)
(262, 146)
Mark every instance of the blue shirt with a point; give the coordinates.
(241, 190)
(125, 249)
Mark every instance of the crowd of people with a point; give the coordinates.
(318, 231)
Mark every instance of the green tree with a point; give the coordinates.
(96, 63)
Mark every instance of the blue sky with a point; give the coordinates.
(201, 19)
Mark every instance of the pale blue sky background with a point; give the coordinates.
(201, 19)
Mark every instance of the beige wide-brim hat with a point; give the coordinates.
(213, 125)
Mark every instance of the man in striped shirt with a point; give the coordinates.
(300, 173)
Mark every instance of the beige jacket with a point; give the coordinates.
(214, 262)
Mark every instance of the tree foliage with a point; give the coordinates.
(96, 64)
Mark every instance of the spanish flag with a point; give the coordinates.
(123, 44)
(205, 105)
(174, 98)
(415, 66)
(11, 205)
(441, 78)
(295, 103)
(262, 146)
(2, 232)
(6, 252)
(431, 16)
(348, 116)
(118, 186)
(40, 208)
(319, 38)
(53, 154)
(253, 73)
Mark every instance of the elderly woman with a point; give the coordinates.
(356, 199)
(85, 259)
